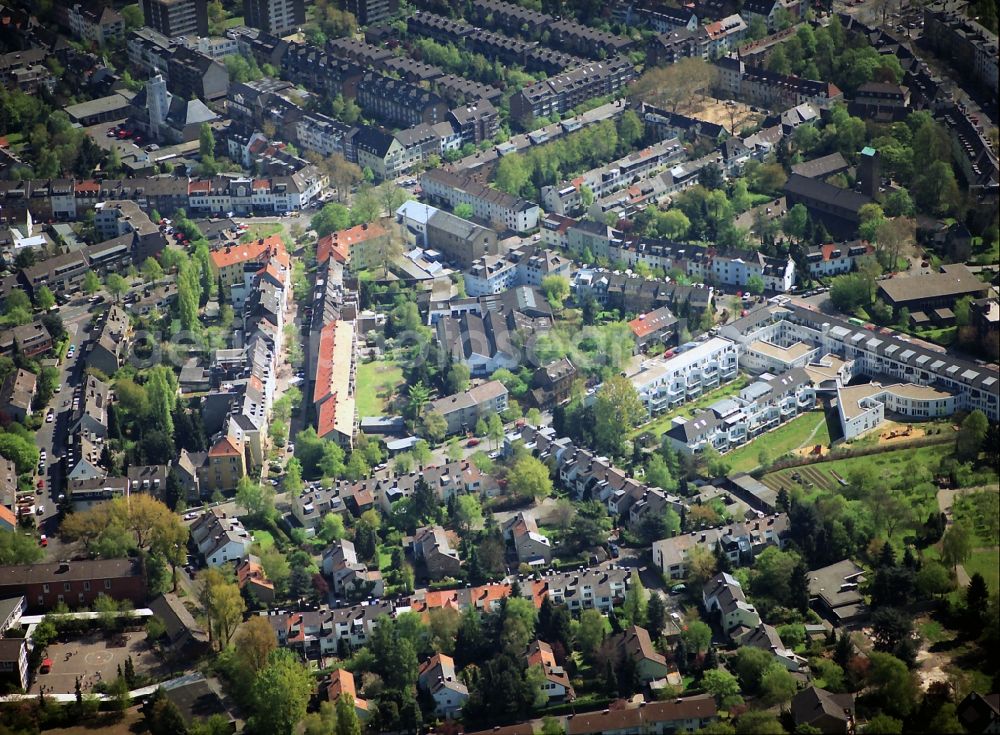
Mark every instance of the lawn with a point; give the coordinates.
(982, 511)
(264, 539)
(255, 232)
(986, 561)
(376, 384)
(809, 428)
(890, 466)
(661, 423)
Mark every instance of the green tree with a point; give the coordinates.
(755, 284)
(956, 546)
(759, 723)
(18, 548)
(777, 686)
(45, 299)
(468, 513)
(115, 285)
(969, 439)
(617, 409)
(463, 210)
(529, 477)
(281, 692)
(751, 665)
(720, 684)
(332, 218)
(556, 289)
(206, 141)
(435, 426)
(882, 724)
(635, 602)
(590, 633)
(891, 684)
(347, 717)
(697, 636)
(255, 498)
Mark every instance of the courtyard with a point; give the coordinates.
(96, 657)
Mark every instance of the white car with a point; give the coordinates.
(42, 455)
(48, 417)
(40, 510)
(190, 516)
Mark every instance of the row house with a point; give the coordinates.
(526, 266)
(758, 408)
(333, 392)
(567, 197)
(399, 102)
(326, 632)
(109, 345)
(462, 411)
(663, 384)
(834, 259)
(740, 542)
(969, 45)
(636, 294)
(437, 677)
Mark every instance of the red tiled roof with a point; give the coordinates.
(225, 447)
(339, 243)
(7, 517)
(256, 251)
(200, 186)
(326, 417)
(83, 187)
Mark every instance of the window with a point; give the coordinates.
(65, 586)
(45, 588)
(107, 584)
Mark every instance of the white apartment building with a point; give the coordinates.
(882, 356)
(494, 206)
(760, 407)
(663, 384)
(862, 407)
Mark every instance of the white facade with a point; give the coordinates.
(663, 384)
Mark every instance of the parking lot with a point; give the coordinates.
(94, 658)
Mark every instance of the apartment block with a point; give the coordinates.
(277, 17)
(567, 89)
(500, 209)
(664, 384)
(175, 18)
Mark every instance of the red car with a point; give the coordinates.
(41, 482)
(473, 442)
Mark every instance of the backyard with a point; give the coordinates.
(376, 385)
(806, 430)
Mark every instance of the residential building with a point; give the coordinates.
(460, 240)
(359, 248)
(834, 259)
(656, 718)
(551, 384)
(351, 578)
(276, 17)
(94, 23)
(437, 677)
(980, 713)
(566, 90)
(91, 417)
(109, 346)
(969, 45)
(880, 102)
(876, 355)
(431, 545)
(220, 539)
(483, 339)
(225, 465)
(758, 408)
(531, 547)
(368, 12)
(496, 207)
(183, 635)
(198, 699)
(320, 632)
(61, 273)
(17, 393)
(863, 407)
(823, 710)
(333, 392)
(657, 327)
(665, 383)
(568, 196)
(462, 411)
(723, 596)
(741, 542)
(758, 86)
(230, 261)
(635, 643)
(398, 102)
(250, 576)
(12, 609)
(835, 592)
(175, 18)
(85, 493)
(557, 686)
(75, 583)
(766, 638)
(341, 683)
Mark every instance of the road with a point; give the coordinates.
(53, 438)
(521, 141)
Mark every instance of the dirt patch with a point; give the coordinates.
(727, 113)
